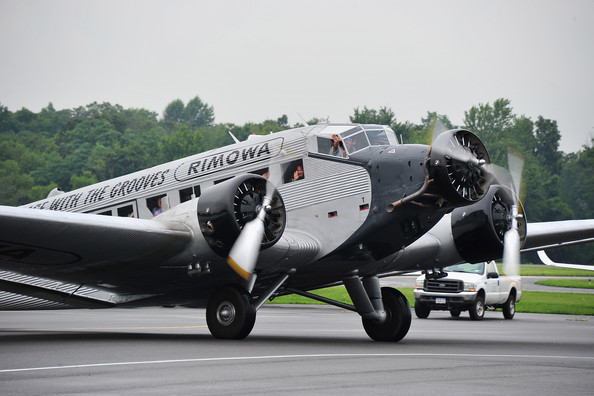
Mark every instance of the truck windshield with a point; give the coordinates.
(477, 268)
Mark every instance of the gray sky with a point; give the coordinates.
(257, 60)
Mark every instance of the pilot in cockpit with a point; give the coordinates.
(338, 148)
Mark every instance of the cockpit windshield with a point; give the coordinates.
(342, 141)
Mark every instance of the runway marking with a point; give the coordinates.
(107, 328)
(276, 357)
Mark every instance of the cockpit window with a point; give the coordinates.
(354, 139)
(377, 137)
(355, 142)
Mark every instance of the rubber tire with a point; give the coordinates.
(421, 310)
(240, 302)
(509, 308)
(477, 309)
(398, 319)
(455, 313)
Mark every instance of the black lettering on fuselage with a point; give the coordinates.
(249, 152)
(193, 167)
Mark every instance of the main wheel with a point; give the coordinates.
(422, 310)
(477, 309)
(230, 313)
(398, 318)
(509, 308)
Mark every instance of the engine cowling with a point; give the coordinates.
(478, 229)
(224, 209)
(456, 164)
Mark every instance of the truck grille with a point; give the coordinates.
(443, 285)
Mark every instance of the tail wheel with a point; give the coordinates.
(230, 313)
(398, 319)
(509, 308)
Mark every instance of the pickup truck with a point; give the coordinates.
(467, 287)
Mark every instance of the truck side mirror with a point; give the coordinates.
(492, 275)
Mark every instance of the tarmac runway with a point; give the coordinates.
(292, 350)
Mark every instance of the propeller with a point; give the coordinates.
(512, 178)
(243, 255)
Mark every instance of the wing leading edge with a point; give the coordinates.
(64, 246)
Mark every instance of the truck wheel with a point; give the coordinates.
(477, 309)
(455, 313)
(509, 308)
(421, 310)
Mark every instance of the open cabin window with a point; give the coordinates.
(126, 211)
(262, 172)
(154, 204)
(293, 171)
(188, 193)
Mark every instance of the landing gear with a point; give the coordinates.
(231, 313)
(398, 319)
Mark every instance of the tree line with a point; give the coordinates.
(73, 148)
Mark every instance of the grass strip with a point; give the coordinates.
(573, 283)
(543, 270)
(532, 301)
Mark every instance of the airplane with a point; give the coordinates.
(230, 228)
(547, 261)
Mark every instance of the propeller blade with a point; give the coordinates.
(438, 128)
(515, 163)
(511, 247)
(244, 253)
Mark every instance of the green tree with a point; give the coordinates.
(14, 184)
(383, 116)
(547, 144)
(181, 143)
(195, 114)
(490, 123)
(82, 180)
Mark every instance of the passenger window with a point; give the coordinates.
(106, 213)
(293, 171)
(186, 193)
(126, 211)
(262, 172)
(154, 204)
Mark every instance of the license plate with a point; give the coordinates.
(440, 300)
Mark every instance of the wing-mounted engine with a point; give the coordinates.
(224, 209)
(456, 164)
(478, 230)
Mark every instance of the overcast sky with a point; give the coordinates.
(257, 60)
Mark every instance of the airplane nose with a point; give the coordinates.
(457, 163)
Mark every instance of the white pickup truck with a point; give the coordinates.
(472, 287)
